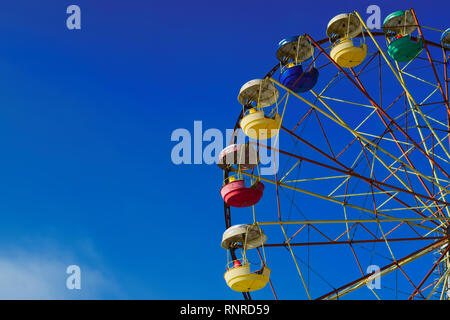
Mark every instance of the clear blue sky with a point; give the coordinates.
(85, 124)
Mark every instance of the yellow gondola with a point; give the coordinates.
(254, 96)
(258, 126)
(347, 55)
(242, 279)
(343, 28)
(239, 275)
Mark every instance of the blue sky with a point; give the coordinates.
(86, 118)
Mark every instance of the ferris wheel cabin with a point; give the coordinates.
(242, 279)
(239, 275)
(256, 95)
(235, 193)
(250, 236)
(342, 28)
(292, 52)
(445, 39)
(398, 26)
(244, 156)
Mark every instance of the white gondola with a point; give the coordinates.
(244, 156)
(250, 236)
(260, 91)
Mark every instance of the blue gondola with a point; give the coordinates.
(292, 52)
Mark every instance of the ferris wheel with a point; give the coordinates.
(358, 127)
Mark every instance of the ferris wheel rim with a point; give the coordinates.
(364, 33)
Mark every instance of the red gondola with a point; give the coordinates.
(236, 194)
